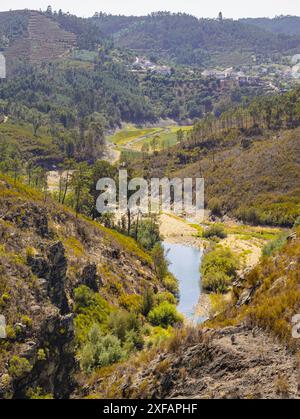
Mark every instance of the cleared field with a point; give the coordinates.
(135, 138)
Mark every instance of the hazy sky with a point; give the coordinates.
(200, 8)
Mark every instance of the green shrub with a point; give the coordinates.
(148, 301)
(216, 281)
(148, 233)
(164, 315)
(215, 206)
(100, 351)
(131, 302)
(38, 394)
(18, 367)
(275, 245)
(121, 322)
(218, 269)
(90, 308)
(171, 284)
(133, 341)
(160, 262)
(165, 296)
(41, 355)
(216, 230)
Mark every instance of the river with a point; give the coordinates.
(185, 264)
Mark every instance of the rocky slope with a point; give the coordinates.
(233, 363)
(45, 253)
(249, 351)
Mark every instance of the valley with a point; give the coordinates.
(148, 140)
(140, 304)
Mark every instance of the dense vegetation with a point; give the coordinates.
(288, 25)
(188, 40)
(249, 158)
(13, 25)
(186, 95)
(110, 273)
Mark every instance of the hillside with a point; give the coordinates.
(288, 25)
(247, 351)
(259, 185)
(233, 363)
(53, 266)
(89, 303)
(249, 158)
(268, 296)
(188, 40)
(33, 38)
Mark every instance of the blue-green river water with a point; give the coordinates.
(185, 266)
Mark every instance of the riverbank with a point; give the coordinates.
(245, 241)
(176, 230)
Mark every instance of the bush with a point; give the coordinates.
(159, 260)
(219, 268)
(90, 308)
(100, 351)
(215, 206)
(216, 281)
(41, 355)
(275, 245)
(18, 367)
(217, 230)
(148, 233)
(171, 284)
(148, 301)
(165, 296)
(133, 341)
(122, 322)
(131, 302)
(165, 315)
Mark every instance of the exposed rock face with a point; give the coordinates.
(57, 276)
(49, 346)
(54, 270)
(27, 216)
(89, 277)
(46, 252)
(233, 363)
(54, 372)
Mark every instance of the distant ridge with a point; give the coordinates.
(287, 25)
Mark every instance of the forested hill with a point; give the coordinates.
(189, 40)
(182, 38)
(288, 25)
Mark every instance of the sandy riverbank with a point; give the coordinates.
(176, 230)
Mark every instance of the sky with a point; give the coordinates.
(200, 8)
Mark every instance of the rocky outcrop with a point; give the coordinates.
(90, 278)
(28, 215)
(53, 270)
(46, 253)
(57, 276)
(233, 363)
(44, 350)
(52, 357)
